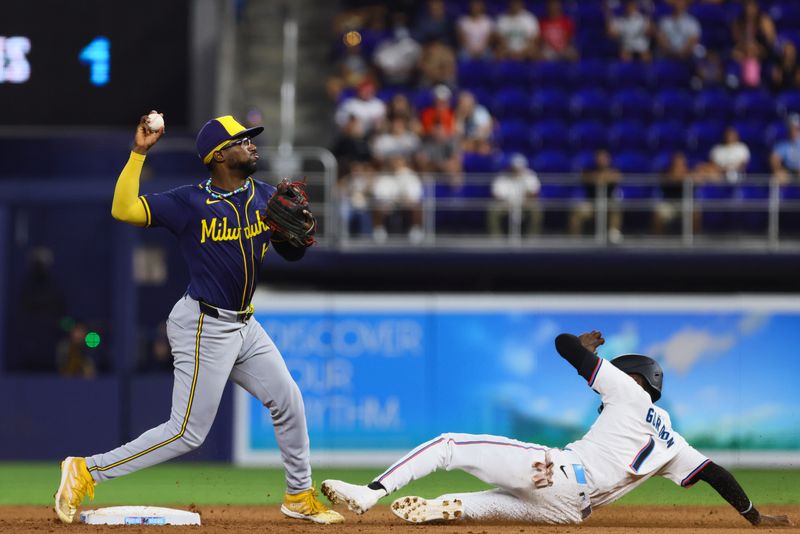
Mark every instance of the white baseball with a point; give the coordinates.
(155, 122)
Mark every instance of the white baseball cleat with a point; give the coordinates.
(419, 510)
(359, 499)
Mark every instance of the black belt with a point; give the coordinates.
(213, 311)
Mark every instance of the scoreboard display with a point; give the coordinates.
(93, 62)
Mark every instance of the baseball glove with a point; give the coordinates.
(289, 216)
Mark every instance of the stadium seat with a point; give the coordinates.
(775, 133)
(704, 135)
(549, 135)
(786, 15)
(474, 73)
(588, 135)
(751, 133)
(716, 22)
(421, 99)
(550, 161)
(639, 191)
(755, 105)
(549, 104)
(582, 160)
(555, 191)
(596, 46)
(714, 201)
(667, 135)
(510, 103)
(474, 162)
(660, 162)
(631, 104)
(631, 162)
(553, 74)
(511, 74)
(788, 102)
(626, 75)
(589, 72)
(667, 73)
(589, 104)
(627, 135)
(514, 136)
(759, 163)
(673, 104)
(713, 104)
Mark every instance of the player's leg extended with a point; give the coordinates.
(204, 349)
(261, 371)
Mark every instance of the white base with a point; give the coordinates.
(139, 515)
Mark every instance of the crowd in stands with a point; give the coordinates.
(706, 90)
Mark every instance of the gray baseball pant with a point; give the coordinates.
(207, 351)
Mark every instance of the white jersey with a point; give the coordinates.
(631, 441)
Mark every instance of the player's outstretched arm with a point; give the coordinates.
(579, 351)
(126, 206)
(729, 489)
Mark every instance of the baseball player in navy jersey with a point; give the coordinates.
(220, 232)
(631, 441)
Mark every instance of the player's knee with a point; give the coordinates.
(193, 440)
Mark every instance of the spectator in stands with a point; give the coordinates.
(398, 191)
(473, 121)
(355, 192)
(728, 159)
(601, 174)
(351, 145)
(397, 56)
(515, 192)
(518, 33)
(668, 208)
(709, 71)
(397, 142)
(632, 30)
(351, 71)
(439, 113)
(784, 73)
(366, 107)
(679, 33)
(440, 153)
(754, 26)
(73, 359)
(785, 157)
(434, 25)
(400, 108)
(475, 31)
(748, 58)
(438, 64)
(558, 32)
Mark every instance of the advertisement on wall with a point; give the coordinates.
(382, 373)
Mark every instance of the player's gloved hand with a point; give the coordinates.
(543, 472)
(764, 520)
(289, 216)
(591, 340)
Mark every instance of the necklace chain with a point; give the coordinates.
(216, 195)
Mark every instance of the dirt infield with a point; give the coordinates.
(234, 519)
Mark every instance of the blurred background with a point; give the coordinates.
(486, 174)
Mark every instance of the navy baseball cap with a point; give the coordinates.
(216, 132)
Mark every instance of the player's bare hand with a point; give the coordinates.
(591, 340)
(145, 138)
(543, 472)
(774, 521)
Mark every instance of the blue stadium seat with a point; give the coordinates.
(514, 136)
(588, 135)
(639, 192)
(549, 104)
(751, 133)
(511, 74)
(590, 72)
(786, 15)
(713, 104)
(788, 102)
(582, 160)
(596, 46)
(589, 104)
(704, 135)
(550, 161)
(755, 105)
(755, 197)
(661, 162)
(626, 75)
(668, 73)
(554, 74)
(716, 21)
(631, 104)
(510, 103)
(479, 163)
(421, 99)
(775, 133)
(482, 96)
(549, 135)
(667, 135)
(552, 191)
(673, 104)
(628, 135)
(759, 163)
(715, 218)
(474, 73)
(631, 162)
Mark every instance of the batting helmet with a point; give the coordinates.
(645, 366)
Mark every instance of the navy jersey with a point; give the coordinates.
(222, 240)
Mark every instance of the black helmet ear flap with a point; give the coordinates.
(645, 366)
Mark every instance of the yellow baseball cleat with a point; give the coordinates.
(305, 505)
(76, 482)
